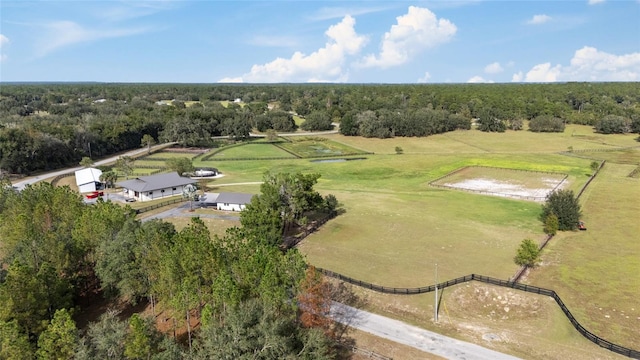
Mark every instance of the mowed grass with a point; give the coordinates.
(597, 272)
(252, 151)
(168, 155)
(309, 147)
(396, 227)
(576, 137)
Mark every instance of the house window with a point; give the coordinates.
(162, 190)
(150, 193)
(174, 189)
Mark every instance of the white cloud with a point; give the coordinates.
(419, 29)
(479, 79)
(493, 68)
(589, 64)
(131, 9)
(65, 33)
(425, 78)
(327, 13)
(517, 77)
(539, 19)
(543, 73)
(323, 65)
(593, 2)
(3, 40)
(231, 80)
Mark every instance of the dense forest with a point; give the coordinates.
(248, 296)
(48, 126)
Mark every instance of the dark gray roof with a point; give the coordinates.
(234, 198)
(155, 182)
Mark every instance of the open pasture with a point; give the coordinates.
(526, 185)
(149, 162)
(576, 137)
(309, 147)
(251, 151)
(396, 227)
(161, 155)
(597, 272)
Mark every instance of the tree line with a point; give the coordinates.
(47, 126)
(252, 296)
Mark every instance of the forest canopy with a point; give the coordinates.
(48, 126)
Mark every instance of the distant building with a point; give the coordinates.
(205, 172)
(88, 180)
(233, 201)
(145, 188)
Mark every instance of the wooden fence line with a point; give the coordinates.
(489, 280)
(159, 205)
(56, 179)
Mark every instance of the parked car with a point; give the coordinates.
(130, 199)
(95, 194)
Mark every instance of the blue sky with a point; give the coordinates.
(211, 41)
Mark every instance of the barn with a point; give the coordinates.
(145, 188)
(88, 180)
(233, 201)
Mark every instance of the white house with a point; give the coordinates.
(152, 187)
(233, 201)
(88, 179)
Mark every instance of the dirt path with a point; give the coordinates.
(413, 336)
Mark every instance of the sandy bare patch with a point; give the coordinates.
(507, 188)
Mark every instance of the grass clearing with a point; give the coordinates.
(525, 325)
(252, 151)
(596, 272)
(396, 227)
(161, 155)
(526, 185)
(309, 147)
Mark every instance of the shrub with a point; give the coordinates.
(613, 124)
(564, 205)
(528, 253)
(546, 123)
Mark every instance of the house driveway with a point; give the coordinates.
(206, 201)
(413, 336)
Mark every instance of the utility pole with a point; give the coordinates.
(435, 304)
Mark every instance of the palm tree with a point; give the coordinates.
(108, 178)
(189, 192)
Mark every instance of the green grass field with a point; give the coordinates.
(251, 151)
(309, 147)
(168, 155)
(396, 227)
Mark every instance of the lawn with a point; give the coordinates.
(396, 227)
(168, 155)
(251, 151)
(309, 147)
(597, 272)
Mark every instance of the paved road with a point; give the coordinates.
(413, 336)
(32, 180)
